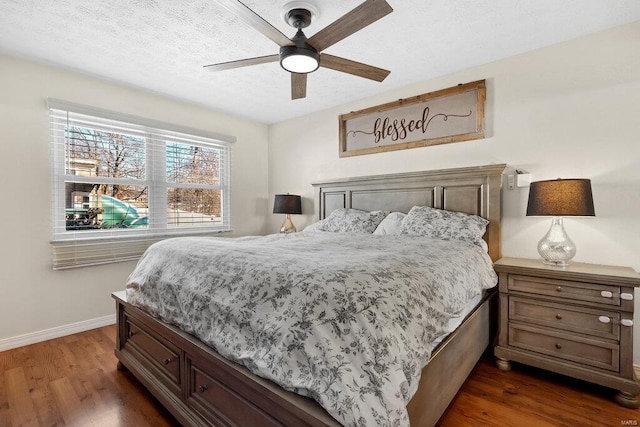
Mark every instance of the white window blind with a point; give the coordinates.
(122, 182)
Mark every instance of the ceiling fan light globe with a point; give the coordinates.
(299, 60)
(299, 64)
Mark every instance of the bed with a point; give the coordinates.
(200, 387)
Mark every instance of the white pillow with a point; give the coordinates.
(445, 225)
(352, 221)
(391, 224)
(314, 228)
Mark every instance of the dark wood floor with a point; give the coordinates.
(73, 381)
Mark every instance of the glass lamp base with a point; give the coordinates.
(287, 225)
(556, 248)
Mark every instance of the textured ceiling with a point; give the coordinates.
(161, 45)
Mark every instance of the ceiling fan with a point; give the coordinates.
(300, 55)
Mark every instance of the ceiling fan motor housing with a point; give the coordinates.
(299, 18)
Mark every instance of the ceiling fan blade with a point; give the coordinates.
(367, 13)
(353, 67)
(298, 85)
(242, 63)
(256, 21)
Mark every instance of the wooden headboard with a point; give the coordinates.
(473, 190)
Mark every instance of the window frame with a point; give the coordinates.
(104, 246)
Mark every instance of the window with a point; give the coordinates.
(122, 182)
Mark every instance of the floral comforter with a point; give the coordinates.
(346, 319)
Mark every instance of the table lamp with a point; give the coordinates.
(559, 198)
(287, 204)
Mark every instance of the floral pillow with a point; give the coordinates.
(391, 224)
(445, 225)
(352, 221)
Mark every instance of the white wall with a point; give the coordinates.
(569, 110)
(33, 297)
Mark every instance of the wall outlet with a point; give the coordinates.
(510, 182)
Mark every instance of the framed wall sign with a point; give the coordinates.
(448, 115)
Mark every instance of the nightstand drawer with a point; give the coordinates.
(585, 351)
(574, 291)
(562, 316)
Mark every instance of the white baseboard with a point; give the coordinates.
(57, 332)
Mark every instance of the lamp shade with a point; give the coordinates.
(561, 197)
(287, 204)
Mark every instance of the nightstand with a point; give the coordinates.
(576, 321)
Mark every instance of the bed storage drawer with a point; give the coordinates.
(566, 290)
(163, 357)
(582, 350)
(215, 401)
(566, 317)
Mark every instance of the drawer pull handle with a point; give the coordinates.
(558, 317)
(609, 294)
(203, 388)
(604, 319)
(559, 289)
(167, 361)
(558, 346)
(623, 322)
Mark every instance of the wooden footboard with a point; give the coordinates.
(201, 388)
